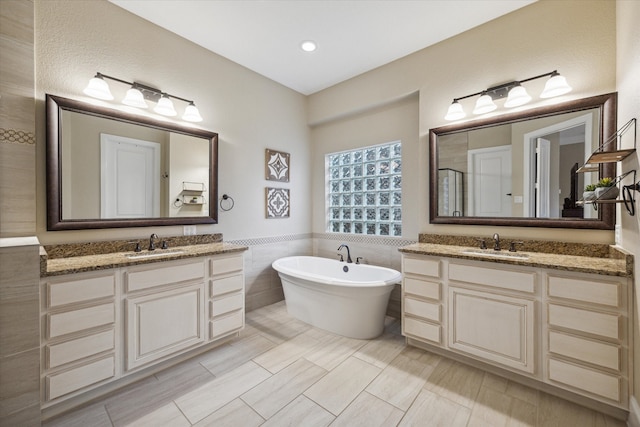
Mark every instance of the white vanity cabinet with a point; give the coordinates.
(79, 345)
(113, 324)
(164, 310)
(586, 334)
(567, 329)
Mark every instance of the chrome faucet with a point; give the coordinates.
(496, 239)
(348, 252)
(152, 244)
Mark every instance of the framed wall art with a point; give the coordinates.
(277, 165)
(277, 202)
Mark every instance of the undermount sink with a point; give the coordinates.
(159, 253)
(494, 254)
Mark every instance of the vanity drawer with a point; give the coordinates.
(227, 284)
(73, 291)
(225, 324)
(150, 276)
(585, 290)
(421, 266)
(70, 351)
(423, 330)
(506, 279)
(227, 304)
(427, 310)
(592, 322)
(422, 288)
(77, 320)
(590, 351)
(226, 264)
(74, 379)
(590, 380)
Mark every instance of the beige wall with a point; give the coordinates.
(628, 66)
(575, 37)
(75, 39)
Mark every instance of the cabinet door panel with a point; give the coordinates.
(494, 327)
(427, 310)
(603, 324)
(598, 292)
(227, 284)
(421, 266)
(590, 351)
(78, 320)
(422, 288)
(592, 381)
(227, 304)
(422, 330)
(164, 323)
(149, 277)
(226, 264)
(505, 279)
(71, 291)
(226, 324)
(75, 379)
(69, 351)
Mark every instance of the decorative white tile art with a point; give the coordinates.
(277, 202)
(277, 165)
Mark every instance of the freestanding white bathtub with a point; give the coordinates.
(346, 299)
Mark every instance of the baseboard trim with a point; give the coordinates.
(634, 413)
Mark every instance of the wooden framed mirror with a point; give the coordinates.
(107, 168)
(531, 158)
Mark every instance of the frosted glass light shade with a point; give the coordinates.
(135, 98)
(517, 96)
(484, 105)
(165, 107)
(98, 88)
(455, 112)
(191, 114)
(557, 85)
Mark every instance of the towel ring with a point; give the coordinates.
(229, 202)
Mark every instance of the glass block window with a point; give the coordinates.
(364, 190)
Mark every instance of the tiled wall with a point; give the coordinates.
(19, 255)
(263, 285)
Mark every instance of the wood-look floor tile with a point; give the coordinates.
(556, 412)
(234, 414)
(401, 381)
(166, 416)
(435, 411)
(286, 353)
(301, 412)
(149, 396)
(228, 357)
(333, 350)
(278, 391)
(216, 393)
(455, 381)
(603, 420)
(522, 414)
(94, 415)
(369, 411)
(495, 382)
(491, 408)
(381, 351)
(523, 393)
(336, 390)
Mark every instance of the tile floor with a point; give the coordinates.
(282, 372)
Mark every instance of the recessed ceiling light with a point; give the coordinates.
(308, 46)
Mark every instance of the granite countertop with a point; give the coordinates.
(56, 260)
(612, 262)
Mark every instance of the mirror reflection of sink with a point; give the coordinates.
(495, 254)
(155, 254)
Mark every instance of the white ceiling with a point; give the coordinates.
(352, 36)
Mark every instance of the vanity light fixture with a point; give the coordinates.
(515, 93)
(138, 94)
